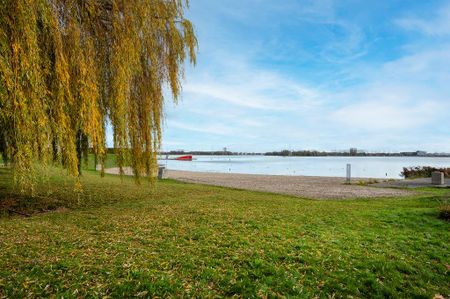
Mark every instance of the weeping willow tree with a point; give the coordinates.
(67, 67)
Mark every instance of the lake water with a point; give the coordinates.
(364, 167)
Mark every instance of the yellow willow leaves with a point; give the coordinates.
(69, 66)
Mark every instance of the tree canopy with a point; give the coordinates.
(67, 67)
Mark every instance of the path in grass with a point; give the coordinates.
(122, 240)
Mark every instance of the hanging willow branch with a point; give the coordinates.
(69, 66)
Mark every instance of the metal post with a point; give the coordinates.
(349, 173)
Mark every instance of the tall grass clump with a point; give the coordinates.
(444, 210)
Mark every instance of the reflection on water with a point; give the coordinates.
(364, 167)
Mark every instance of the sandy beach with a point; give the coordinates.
(302, 186)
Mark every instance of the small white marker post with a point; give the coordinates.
(349, 173)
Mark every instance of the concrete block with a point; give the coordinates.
(437, 178)
(161, 172)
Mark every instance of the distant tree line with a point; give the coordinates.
(312, 153)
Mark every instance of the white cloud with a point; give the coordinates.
(235, 97)
(394, 99)
(216, 129)
(425, 64)
(246, 86)
(408, 93)
(437, 25)
(386, 115)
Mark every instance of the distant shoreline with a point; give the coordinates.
(309, 154)
(300, 156)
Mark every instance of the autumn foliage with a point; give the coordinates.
(67, 67)
(423, 172)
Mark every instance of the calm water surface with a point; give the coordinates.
(364, 167)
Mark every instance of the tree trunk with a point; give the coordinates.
(3, 148)
(79, 150)
(55, 150)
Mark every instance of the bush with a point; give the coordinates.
(422, 172)
(444, 211)
(367, 182)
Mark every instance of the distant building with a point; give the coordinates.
(353, 151)
(421, 153)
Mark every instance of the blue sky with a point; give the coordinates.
(319, 74)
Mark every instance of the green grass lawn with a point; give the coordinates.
(182, 240)
(110, 161)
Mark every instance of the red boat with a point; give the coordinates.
(184, 158)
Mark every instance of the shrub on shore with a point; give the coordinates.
(422, 172)
(444, 211)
